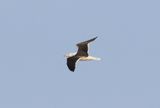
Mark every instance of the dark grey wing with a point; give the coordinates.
(82, 50)
(71, 62)
(83, 47)
(86, 42)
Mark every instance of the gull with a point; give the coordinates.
(80, 55)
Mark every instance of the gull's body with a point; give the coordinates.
(80, 55)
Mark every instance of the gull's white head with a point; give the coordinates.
(69, 55)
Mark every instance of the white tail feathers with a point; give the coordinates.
(98, 59)
(89, 58)
(94, 58)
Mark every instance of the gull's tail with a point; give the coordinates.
(93, 58)
(97, 59)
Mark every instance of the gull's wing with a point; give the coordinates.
(71, 62)
(83, 47)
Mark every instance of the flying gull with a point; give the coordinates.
(80, 55)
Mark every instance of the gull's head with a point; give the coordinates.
(69, 55)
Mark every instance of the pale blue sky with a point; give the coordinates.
(36, 34)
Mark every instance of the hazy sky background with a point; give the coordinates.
(36, 34)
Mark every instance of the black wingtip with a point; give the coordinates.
(95, 37)
(72, 70)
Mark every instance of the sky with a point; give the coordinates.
(36, 34)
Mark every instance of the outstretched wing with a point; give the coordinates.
(83, 47)
(71, 62)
